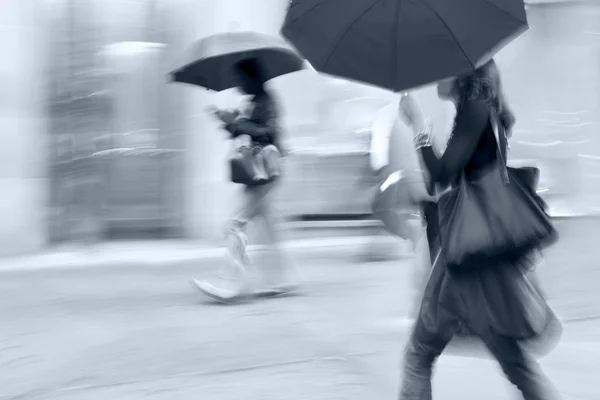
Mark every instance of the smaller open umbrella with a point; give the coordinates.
(209, 61)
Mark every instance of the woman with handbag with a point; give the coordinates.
(480, 284)
(258, 167)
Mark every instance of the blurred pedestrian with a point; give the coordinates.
(412, 114)
(403, 199)
(497, 302)
(260, 129)
(397, 219)
(395, 166)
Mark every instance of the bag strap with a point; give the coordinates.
(501, 145)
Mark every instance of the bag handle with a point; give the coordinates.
(501, 145)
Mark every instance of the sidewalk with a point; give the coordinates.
(132, 333)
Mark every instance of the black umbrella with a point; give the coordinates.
(401, 44)
(209, 62)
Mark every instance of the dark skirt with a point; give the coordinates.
(501, 299)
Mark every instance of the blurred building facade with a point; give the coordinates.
(98, 145)
(23, 154)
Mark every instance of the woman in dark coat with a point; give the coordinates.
(496, 303)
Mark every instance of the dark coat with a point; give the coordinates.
(497, 297)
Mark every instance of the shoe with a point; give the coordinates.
(215, 293)
(277, 291)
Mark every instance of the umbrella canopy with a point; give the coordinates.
(401, 44)
(209, 62)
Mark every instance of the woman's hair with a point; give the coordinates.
(252, 68)
(484, 84)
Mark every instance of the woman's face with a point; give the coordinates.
(445, 88)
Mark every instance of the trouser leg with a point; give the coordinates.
(521, 370)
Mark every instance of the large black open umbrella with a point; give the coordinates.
(209, 61)
(401, 44)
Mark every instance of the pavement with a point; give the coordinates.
(132, 328)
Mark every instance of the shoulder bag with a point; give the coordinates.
(492, 219)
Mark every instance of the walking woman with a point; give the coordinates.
(262, 129)
(491, 301)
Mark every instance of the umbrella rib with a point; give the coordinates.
(345, 32)
(438, 16)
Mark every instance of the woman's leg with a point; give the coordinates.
(421, 270)
(236, 239)
(423, 349)
(418, 370)
(233, 278)
(277, 270)
(521, 370)
(435, 326)
(426, 250)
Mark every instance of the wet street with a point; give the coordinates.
(135, 332)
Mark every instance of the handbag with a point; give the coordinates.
(493, 218)
(254, 165)
(530, 177)
(241, 164)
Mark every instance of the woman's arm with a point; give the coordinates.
(264, 123)
(470, 124)
(244, 126)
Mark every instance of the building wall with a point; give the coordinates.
(551, 76)
(23, 148)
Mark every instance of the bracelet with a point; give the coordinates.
(423, 138)
(427, 129)
(421, 142)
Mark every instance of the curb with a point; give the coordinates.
(156, 254)
(152, 255)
